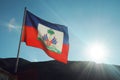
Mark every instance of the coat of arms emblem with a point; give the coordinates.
(50, 38)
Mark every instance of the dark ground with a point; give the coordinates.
(53, 70)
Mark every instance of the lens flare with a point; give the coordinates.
(97, 52)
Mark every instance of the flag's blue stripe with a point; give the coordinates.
(33, 21)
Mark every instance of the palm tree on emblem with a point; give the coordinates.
(49, 41)
(51, 32)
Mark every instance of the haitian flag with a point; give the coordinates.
(52, 38)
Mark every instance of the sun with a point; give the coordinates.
(97, 52)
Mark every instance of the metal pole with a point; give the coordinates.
(18, 53)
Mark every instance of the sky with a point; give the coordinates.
(93, 26)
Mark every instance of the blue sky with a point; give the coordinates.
(88, 21)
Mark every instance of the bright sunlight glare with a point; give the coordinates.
(97, 52)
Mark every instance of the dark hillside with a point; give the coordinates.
(53, 70)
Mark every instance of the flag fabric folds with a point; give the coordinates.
(50, 37)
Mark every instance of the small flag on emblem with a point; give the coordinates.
(52, 38)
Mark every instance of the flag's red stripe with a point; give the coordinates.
(30, 35)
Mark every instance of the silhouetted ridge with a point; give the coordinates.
(9, 63)
(54, 70)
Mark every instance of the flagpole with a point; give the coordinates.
(18, 53)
